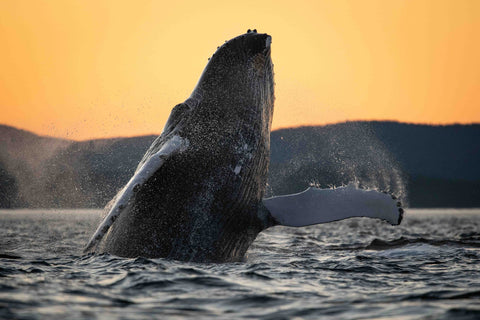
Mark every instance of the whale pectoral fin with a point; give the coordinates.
(314, 206)
(172, 146)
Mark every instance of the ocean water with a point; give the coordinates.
(427, 268)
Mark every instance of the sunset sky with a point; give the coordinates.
(90, 69)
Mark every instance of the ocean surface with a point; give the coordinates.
(427, 268)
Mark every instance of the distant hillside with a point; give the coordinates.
(438, 166)
(447, 152)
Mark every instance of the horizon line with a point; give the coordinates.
(275, 129)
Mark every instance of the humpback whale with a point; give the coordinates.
(197, 194)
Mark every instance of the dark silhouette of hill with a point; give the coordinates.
(446, 152)
(438, 165)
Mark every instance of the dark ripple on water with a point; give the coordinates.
(428, 268)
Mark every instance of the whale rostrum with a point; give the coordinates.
(198, 192)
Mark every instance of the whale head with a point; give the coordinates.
(238, 78)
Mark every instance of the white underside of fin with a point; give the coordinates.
(174, 145)
(314, 206)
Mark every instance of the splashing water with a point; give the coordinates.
(333, 156)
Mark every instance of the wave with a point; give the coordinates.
(379, 244)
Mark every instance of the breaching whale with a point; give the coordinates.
(197, 194)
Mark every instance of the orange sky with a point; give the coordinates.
(89, 69)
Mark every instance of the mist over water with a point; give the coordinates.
(23, 159)
(51, 173)
(426, 268)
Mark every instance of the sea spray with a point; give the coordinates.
(333, 155)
